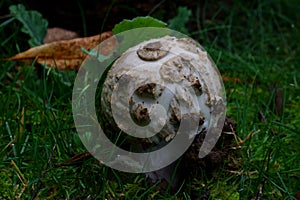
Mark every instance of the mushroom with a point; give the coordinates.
(162, 88)
(151, 72)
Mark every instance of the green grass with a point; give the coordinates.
(256, 42)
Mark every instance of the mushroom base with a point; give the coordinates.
(189, 166)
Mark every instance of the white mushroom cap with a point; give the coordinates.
(154, 84)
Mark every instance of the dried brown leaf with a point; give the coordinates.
(66, 54)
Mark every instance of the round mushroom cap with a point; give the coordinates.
(157, 84)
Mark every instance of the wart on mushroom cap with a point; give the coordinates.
(162, 71)
(152, 51)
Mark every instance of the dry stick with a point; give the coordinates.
(45, 170)
(5, 16)
(74, 160)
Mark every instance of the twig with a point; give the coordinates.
(5, 16)
(239, 141)
(74, 160)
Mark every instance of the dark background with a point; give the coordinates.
(88, 17)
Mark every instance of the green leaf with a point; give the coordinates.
(137, 22)
(178, 23)
(33, 23)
